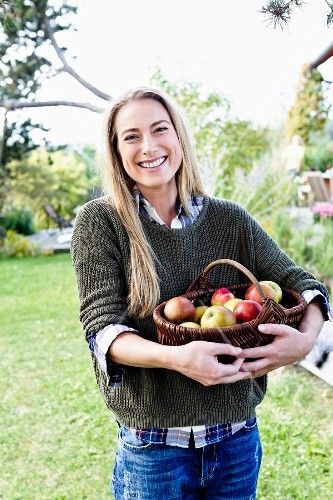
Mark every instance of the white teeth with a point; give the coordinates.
(153, 164)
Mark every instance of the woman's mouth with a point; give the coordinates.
(152, 163)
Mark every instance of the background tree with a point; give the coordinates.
(309, 112)
(19, 141)
(29, 28)
(57, 179)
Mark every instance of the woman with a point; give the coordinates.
(187, 426)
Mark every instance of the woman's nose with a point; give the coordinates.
(149, 147)
(150, 152)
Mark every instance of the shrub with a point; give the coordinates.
(17, 245)
(19, 220)
(318, 157)
(265, 190)
(311, 247)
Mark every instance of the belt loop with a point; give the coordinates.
(191, 440)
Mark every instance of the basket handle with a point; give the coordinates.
(201, 282)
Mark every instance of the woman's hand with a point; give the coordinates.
(290, 345)
(198, 361)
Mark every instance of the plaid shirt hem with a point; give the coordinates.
(203, 435)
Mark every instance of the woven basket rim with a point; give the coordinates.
(241, 334)
(249, 327)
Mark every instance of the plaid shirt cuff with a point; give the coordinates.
(99, 343)
(310, 295)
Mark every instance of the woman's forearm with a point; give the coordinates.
(197, 360)
(132, 350)
(312, 321)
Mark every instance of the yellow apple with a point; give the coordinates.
(199, 310)
(231, 304)
(190, 324)
(276, 287)
(217, 317)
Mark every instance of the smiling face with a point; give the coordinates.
(148, 144)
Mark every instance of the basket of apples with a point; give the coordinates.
(228, 314)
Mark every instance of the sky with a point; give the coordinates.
(225, 45)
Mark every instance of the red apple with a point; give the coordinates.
(247, 310)
(179, 309)
(253, 294)
(221, 296)
(217, 317)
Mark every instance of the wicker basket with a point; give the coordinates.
(288, 312)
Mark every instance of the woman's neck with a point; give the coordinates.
(164, 202)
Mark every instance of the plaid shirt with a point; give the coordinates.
(99, 343)
(202, 435)
(182, 219)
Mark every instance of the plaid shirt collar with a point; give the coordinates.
(182, 219)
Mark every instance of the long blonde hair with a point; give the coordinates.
(144, 293)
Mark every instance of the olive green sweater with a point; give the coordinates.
(101, 256)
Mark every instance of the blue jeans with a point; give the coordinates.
(225, 470)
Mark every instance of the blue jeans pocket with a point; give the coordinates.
(250, 425)
(131, 442)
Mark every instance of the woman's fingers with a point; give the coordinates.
(231, 379)
(254, 366)
(228, 349)
(275, 329)
(230, 368)
(256, 352)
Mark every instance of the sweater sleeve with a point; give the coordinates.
(274, 264)
(100, 270)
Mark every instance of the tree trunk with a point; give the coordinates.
(54, 215)
(3, 170)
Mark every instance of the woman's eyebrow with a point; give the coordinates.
(158, 123)
(129, 130)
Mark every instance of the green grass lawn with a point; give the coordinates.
(57, 439)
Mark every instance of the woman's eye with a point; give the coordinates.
(130, 137)
(161, 129)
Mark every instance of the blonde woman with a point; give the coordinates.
(187, 425)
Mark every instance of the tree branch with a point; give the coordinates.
(66, 67)
(326, 54)
(11, 105)
(329, 4)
